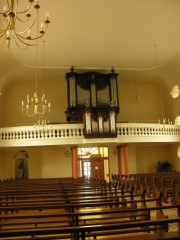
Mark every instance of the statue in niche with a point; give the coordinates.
(21, 168)
(21, 164)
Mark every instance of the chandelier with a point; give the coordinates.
(35, 106)
(11, 17)
(42, 125)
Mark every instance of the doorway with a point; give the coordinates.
(94, 162)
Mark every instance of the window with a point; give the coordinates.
(90, 159)
(86, 169)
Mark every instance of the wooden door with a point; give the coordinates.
(98, 168)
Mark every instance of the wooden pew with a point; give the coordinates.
(114, 212)
(166, 182)
(84, 232)
(68, 191)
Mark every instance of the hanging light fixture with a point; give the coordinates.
(161, 97)
(12, 17)
(178, 152)
(35, 106)
(177, 120)
(136, 99)
(175, 91)
(43, 124)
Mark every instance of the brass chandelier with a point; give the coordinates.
(12, 17)
(35, 106)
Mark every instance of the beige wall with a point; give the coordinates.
(51, 162)
(132, 159)
(170, 76)
(43, 162)
(7, 163)
(54, 162)
(12, 113)
(48, 162)
(148, 91)
(148, 109)
(1, 109)
(148, 156)
(113, 161)
(1, 165)
(173, 157)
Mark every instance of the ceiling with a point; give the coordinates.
(99, 34)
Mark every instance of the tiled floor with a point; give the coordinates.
(170, 213)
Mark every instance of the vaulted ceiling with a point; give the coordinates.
(99, 34)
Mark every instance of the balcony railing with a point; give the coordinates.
(64, 134)
(145, 129)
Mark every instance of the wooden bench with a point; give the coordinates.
(73, 210)
(60, 218)
(164, 182)
(84, 232)
(75, 215)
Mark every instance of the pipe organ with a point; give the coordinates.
(92, 98)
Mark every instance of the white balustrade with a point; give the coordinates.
(74, 133)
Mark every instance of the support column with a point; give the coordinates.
(125, 159)
(75, 163)
(119, 160)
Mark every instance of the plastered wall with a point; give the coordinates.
(51, 162)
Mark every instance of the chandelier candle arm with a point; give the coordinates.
(34, 106)
(12, 17)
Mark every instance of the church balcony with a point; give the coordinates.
(73, 134)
